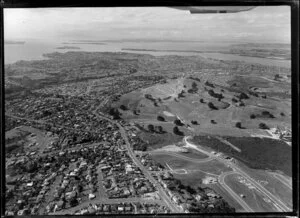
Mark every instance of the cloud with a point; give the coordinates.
(263, 23)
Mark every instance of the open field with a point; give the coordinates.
(194, 154)
(258, 153)
(212, 167)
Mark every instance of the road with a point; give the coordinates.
(278, 203)
(232, 193)
(282, 179)
(160, 189)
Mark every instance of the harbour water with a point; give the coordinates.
(34, 50)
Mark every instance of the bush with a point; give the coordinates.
(263, 126)
(177, 131)
(239, 125)
(123, 107)
(252, 116)
(151, 128)
(194, 122)
(212, 106)
(178, 122)
(160, 118)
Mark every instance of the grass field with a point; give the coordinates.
(252, 197)
(213, 167)
(192, 153)
(258, 153)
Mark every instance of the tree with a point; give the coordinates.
(252, 116)
(160, 118)
(177, 131)
(159, 129)
(73, 202)
(115, 113)
(243, 96)
(282, 114)
(178, 122)
(213, 121)
(263, 126)
(212, 106)
(238, 125)
(194, 122)
(123, 107)
(201, 100)
(151, 128)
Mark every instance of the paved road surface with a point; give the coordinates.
(282, 179)
(232, 193)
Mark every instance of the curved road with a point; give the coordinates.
(232, 193)
(278, 203)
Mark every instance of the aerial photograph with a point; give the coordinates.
(147, 110)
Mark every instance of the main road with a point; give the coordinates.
(160, 189)
(232, 193)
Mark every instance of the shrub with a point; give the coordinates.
(239, 125)
(177, 131)
(194, 122)
(123, 107)
(212, 106)
(178, 122)
(263, 126)
(160, 118)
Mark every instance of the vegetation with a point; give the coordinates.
(212, 106)
(194, 122)
(123, 107)
(176, 131)
(209, 84)
(258, 153)
(161, 118)
(239, 125)
(263, 126)
(178, 122)
(215, 95)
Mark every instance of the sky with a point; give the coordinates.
(261, 24)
